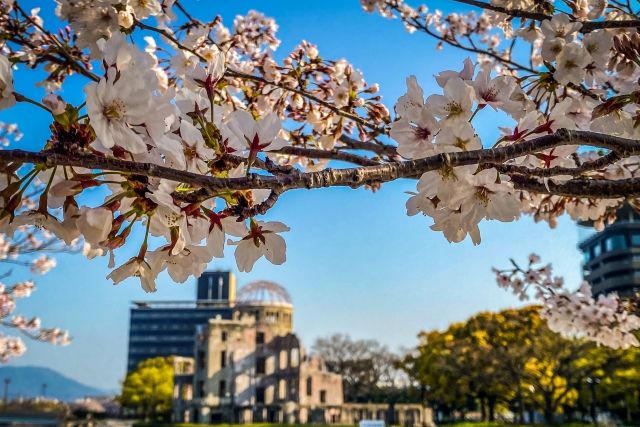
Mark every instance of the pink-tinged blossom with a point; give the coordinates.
(494, 92)
(415, 137)
(191, 261)
(54, 103)
(219, 227)
(458, 138)
(248, 136)
(410, 104)
(578, 313)
(560, 26)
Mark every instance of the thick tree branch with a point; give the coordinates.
(599, 163)
(350, 177)
(587, 26)
(516, 13)
(376, 147)
(327, 154)
(598, 189)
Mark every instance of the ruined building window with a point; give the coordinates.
(282, 364)
(222, 388)
(223, 336)
(323, 396)
(295, 357)
(261, 365)
(282, 390)
(201, 359)
(309, 386)
(270, 365)
(223, 359)
(200, 388)
(259, 337)
(260, 395)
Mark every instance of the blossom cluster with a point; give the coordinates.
(567, 96)
(193, 134)
(605, 320)
(179, 103)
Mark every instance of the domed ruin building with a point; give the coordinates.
(237, 360)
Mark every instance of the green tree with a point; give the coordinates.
(149, 388)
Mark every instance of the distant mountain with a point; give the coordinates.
(27, 381)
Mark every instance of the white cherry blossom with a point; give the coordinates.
(454, 106)
(261, 239)
(135, 267)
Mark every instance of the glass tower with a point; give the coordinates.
(611, 257)
(167, 328)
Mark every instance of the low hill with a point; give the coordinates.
(28, 381)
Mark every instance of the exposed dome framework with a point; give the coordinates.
(263, 292)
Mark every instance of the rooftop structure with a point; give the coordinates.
(264, 292)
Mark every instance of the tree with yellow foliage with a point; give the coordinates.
(148, 389)
(512, 360)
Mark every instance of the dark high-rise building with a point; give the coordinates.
(167, 328)
(216, 286)
(612, 256)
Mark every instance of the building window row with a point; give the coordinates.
(153, 338)
(180, 351)
(161, 326)
(153, 314)
(612, 243)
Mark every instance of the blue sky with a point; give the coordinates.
(356, 263)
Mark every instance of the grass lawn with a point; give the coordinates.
(236, 425)
(459, 424)
(504, 424)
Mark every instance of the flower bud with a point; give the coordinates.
(55, 104)
(125, 18)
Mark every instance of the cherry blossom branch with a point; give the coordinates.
(453, 42)
(605, 319)
(68, 58)
(251, 77)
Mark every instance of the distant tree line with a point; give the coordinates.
(370, 371)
